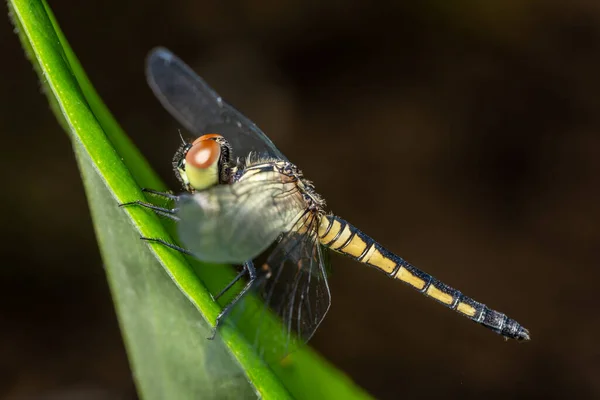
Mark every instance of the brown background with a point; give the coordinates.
(462, 135)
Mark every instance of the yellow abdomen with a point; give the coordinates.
(344, 238)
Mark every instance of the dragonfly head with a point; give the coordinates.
(203, 163)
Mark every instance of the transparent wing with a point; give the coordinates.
(292, 295)
(199, 108)
(235, 223)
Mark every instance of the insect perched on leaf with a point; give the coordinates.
(242, 196)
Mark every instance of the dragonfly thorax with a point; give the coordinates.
(266, 168)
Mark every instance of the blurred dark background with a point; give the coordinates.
(462, 135)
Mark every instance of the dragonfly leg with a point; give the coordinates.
(243, 272)
(169, 245)
(249, 266)
(166, 195)
(166, 212)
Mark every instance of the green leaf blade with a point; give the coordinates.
(162, 303)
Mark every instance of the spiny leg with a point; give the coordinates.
(249, 266)
(170, 213)
(166, 195)
(243, 272)
(169, 245)
(247, 269)
(166, 212)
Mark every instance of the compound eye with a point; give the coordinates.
(207, 136)
(203, 154)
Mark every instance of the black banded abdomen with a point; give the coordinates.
(344, 238)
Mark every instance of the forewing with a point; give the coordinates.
(235, 223)
(292, 292)
(199, 108)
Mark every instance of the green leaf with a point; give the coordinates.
(164, 308)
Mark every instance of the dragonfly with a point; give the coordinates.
(244, 203)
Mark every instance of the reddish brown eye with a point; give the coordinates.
(208, 136)
(203, 153)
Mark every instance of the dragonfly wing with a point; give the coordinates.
(199, 108)
(292, 286)
(235, 223)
